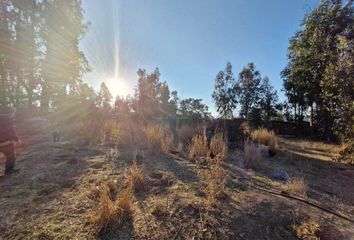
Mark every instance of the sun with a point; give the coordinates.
(117, 87)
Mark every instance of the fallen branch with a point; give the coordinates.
(281, 194)
(306, 202)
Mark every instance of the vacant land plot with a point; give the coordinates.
(58, 190)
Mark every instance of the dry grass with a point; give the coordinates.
(253, 155)
(307, 230)
(158, 138)
(199, 145)
(123, 134)
(136, 178)
(110, 213)
(218, 145)
(296, 185)
(265, 137)
(216, 180)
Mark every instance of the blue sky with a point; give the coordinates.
(189, 40)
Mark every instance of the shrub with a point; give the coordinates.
(158, 138)
(346, 154)
(253, 155)
(218, 145)
(296, 185)
(265, 137)
(111, 213)
(199, 145)
(307, 230)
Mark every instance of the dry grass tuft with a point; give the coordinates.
(199, 145)
(296, 185)
(136, 178)
(253, 155)
(158, 138)
(307, 230)
(123, 134)
(124, 205)
(265, 137)
(112, 213)
(216, 180)
(218, 145)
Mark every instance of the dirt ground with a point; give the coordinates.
(56, 191)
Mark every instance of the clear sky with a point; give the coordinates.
(189, 40)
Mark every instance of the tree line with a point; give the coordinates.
(319, 76)
(252, 96)
(40, 59)
(318, 79)
(153, 99)
(41, 66)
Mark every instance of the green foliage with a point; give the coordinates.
(225, 92)
(193, 109)
(249, 94)
(319, 74)
(268, 101)
(153, 98)
(40, 60)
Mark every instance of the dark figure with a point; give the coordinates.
(56, 136)
(8, 137)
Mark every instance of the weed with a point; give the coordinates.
(253, 155)
(218, 145)
(307, 230)
(296, 185)
(199, 145)
(265, 137)
(111, 213)
(136, 178)
(158, 138)
(216, 180)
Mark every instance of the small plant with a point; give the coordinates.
(199, 145)
(265, 137)
(136, 178)
(158, 138)
(216, 183)
(218, 145)
(307, 230)
(296, 185)
(253, 155)
(111, 213)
